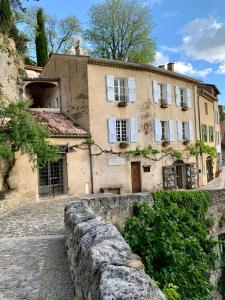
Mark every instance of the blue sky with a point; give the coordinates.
(190, 33)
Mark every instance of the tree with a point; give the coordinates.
(19, 131)
(17, 5)
(5, 17)
(41, 40)
(120, 29)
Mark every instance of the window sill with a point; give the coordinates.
(184, 108)
(123, 145)
(186, 142)
(164, 105)
(122, 104)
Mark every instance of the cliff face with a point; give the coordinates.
(11, 70)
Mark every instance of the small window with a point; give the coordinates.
(147, 169)
(162, 89)
(206, 108)
(122, 131)
(211, 134)
(164, 130)
(183, 97)
(120, 88)
(185, 131)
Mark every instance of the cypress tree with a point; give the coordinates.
(41, 40)
(5, 16)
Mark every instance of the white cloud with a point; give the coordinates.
(204, 39)
(221, 69)
(168, 14)
(152, 2)
(182, 67)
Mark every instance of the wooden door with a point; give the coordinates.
(209, 169)
(136, 177)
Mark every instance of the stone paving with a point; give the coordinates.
(33, 261)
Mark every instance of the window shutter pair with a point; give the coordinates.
(112, 130)
(156, 92)
(189, 130)
(178, 96)
(158, 130)
(111, 92)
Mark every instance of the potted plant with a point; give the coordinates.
(164, 104)
(184, 107)
(186, 142)
(122, 103)
(165, 143)
(123, 145)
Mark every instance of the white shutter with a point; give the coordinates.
(112, 130)
(189, 98)
(171, 131)
(131, 89)
(133, 130)
(177, 94)
(157, 130)
(169, 93)
(190, 130)
(179, 131)
(110, 88)
(156, 91)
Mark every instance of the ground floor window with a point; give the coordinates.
(180, 175)
(52, 178)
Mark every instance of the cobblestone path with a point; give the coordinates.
(33, 261)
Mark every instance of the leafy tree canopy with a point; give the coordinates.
(121, 29)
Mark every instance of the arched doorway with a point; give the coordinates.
(180, 173)
(209, 169)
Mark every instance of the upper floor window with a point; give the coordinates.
(184, 131)
(183, 97)
(122, 134)
(164, 130)
(122, 130)
(120, 89)
(211, 134)
(206, 108)
(162, 93)
(204, 133)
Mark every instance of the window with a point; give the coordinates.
(122, 131)
(164, 130)
(162, 89)
(183, 97)
(204, 133)
(185, 131)
(169, 177)
(211, 134)
(120, 89)
(206, 108)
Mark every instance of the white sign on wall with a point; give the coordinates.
(116, 161)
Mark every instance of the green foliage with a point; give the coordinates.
(121, 29)
(171, 151)
(145, 152)
(171, 292)
(201, 147)
(19, 38)
(20, 131)
(222, 115)
(172, 241)
(41, 40)
(5, 16)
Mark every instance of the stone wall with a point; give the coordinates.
(102, 264)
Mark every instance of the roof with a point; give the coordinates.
(33, 68)
(59, 124)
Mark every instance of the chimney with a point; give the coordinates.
(162, 66)
(170, 67)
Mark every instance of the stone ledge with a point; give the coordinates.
(102, 264)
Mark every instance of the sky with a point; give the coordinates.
(190, 33)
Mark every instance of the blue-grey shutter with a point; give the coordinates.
(190, 129)
(189, 98)
(157, 126)
(169, 94)
(171, 131)
(156, 91)
(133, 130)
(179, 131)
(110, 88)
(177, 95)
(112, 130)
(131, 89)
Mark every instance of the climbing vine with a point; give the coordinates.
(172, 241)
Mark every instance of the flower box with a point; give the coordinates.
(123, 145)
(122, 104)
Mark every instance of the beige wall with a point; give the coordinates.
(145, 111)
(25, 180)
(74, 92)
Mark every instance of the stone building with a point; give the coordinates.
(121, 106)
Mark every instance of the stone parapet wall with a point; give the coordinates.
(102, 264)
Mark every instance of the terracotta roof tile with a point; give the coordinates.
(58, 124)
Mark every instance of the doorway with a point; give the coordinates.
(136, 177)
(209, 169)
(180, 174)
(52, 178)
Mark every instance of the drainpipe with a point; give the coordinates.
(91, 168)
(199, 121)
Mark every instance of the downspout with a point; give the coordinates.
(199, 133)
(91, 168)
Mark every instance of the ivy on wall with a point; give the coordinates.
(172, 241)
